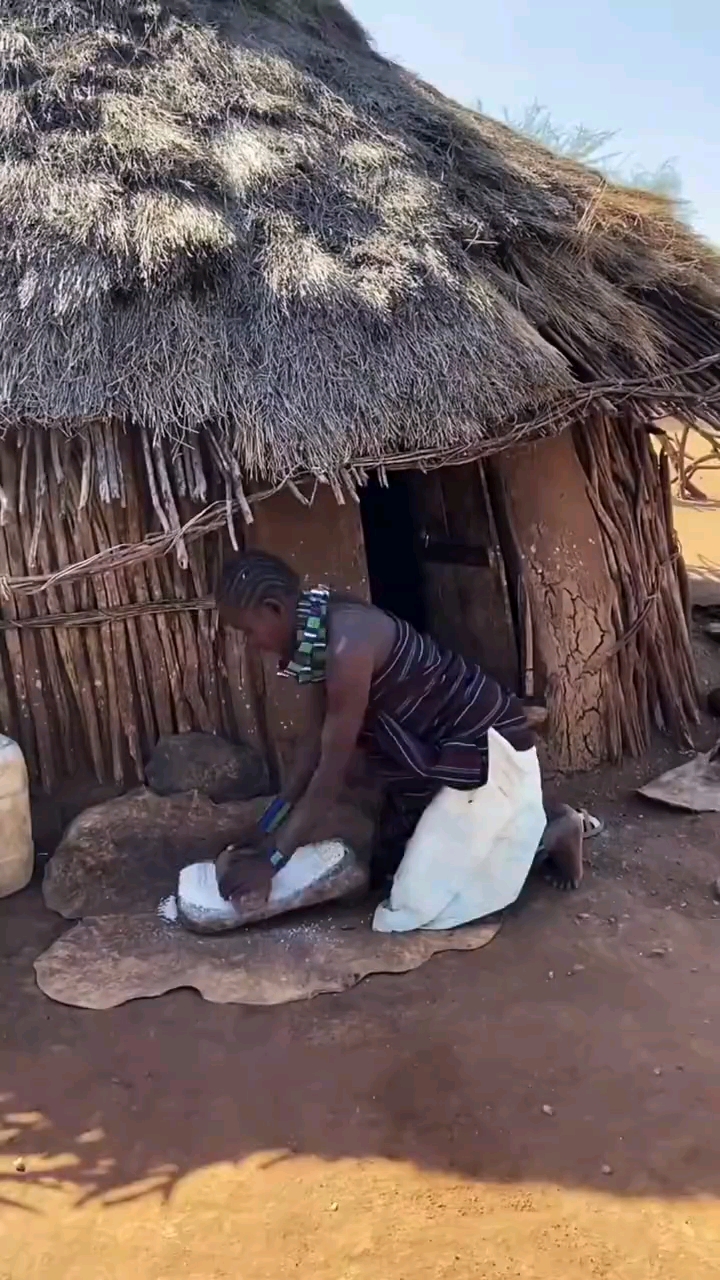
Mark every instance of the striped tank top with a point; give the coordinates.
(429, 713)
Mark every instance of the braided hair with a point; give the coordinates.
(254, 578)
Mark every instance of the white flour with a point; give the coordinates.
(305, 867)
(167, 909)
(202, 903)
(198, 889)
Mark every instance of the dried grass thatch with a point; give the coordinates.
(239, 214)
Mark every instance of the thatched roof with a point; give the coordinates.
(239, 214)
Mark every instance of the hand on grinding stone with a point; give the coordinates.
(243, 873)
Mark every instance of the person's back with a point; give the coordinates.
(441, 698)
(428, 697)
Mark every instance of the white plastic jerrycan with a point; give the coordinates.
(16, 846)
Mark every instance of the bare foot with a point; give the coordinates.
(562, 848)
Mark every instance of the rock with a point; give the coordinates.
(606, 1169)
(716, 889)
(548, 1111)
(204, 762)
(51, 814)
(124, 856)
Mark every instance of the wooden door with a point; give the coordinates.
(466, 598)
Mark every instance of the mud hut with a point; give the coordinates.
(258, 284)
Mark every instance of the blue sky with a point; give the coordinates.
(648, 68)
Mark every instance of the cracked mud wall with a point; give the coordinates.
(606, 589)
(569, 590)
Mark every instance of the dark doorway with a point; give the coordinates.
(394, 568)
(434, 559)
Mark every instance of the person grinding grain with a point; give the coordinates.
(429, 722)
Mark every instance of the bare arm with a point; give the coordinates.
(304, 763)
(308, 746)
(351, 660)
(347, 688)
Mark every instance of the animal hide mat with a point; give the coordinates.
(104, 961)
(694, 786)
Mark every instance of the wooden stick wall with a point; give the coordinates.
(629, 487)
(94, 698)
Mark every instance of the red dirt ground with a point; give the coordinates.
(546, 1107)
